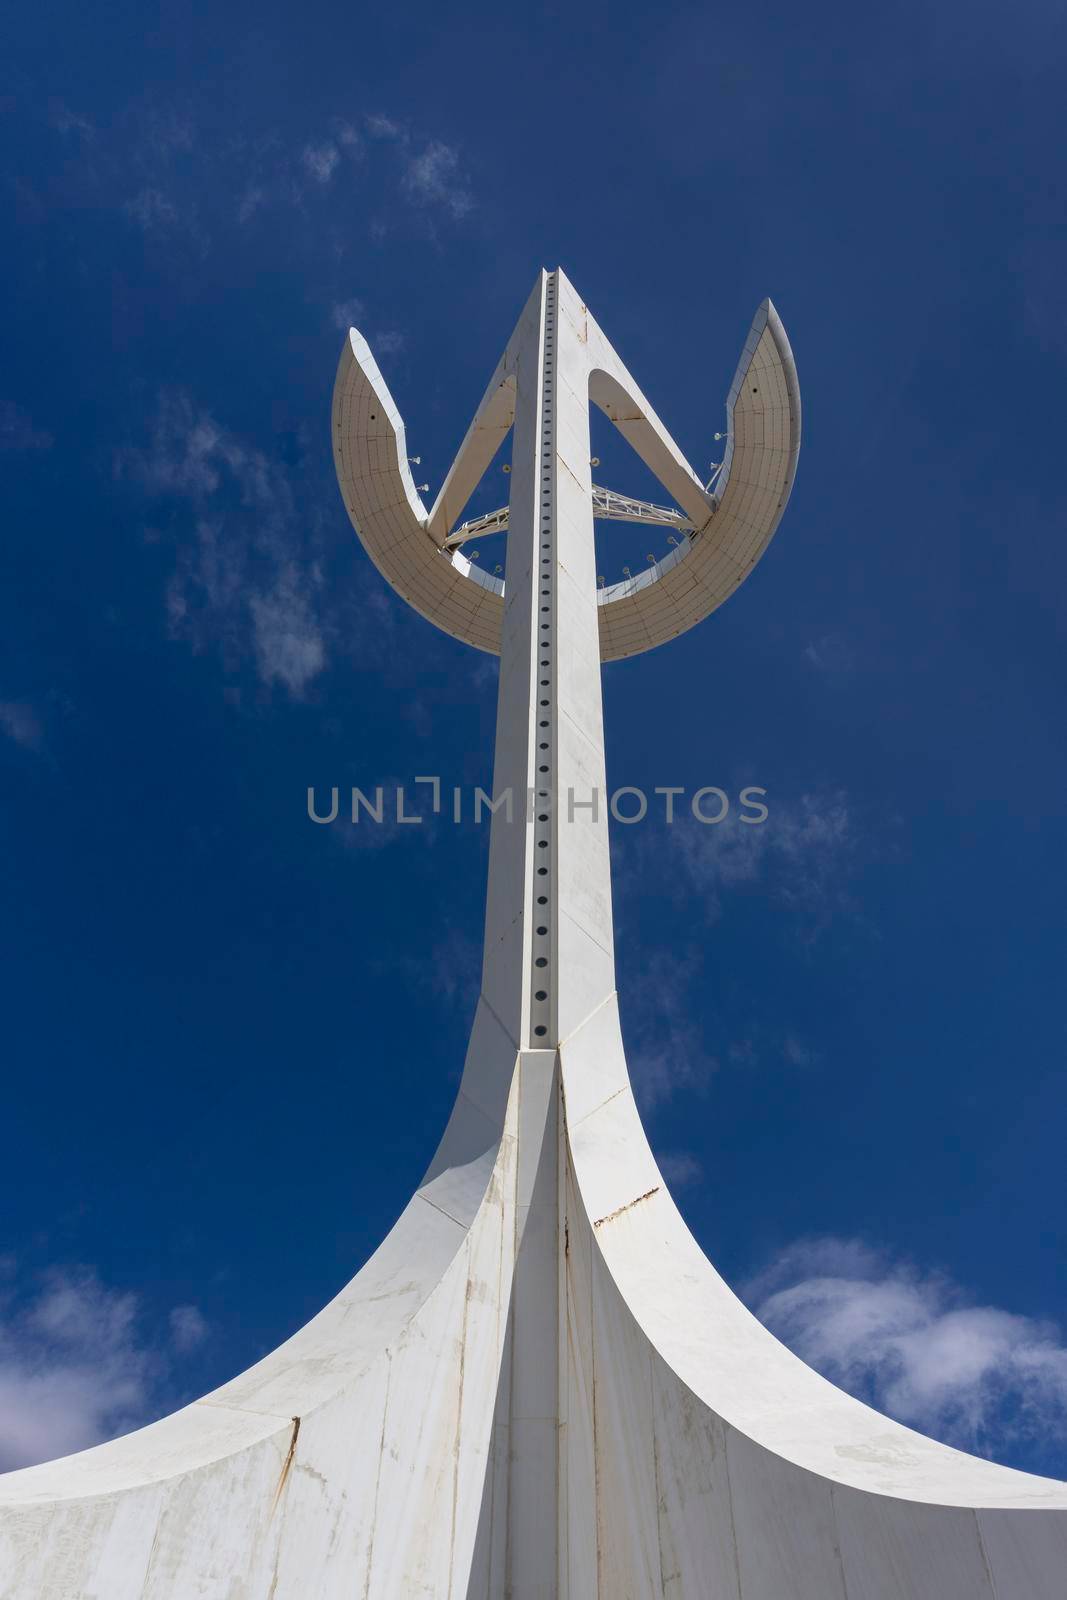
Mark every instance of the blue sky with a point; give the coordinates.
(846, 1028)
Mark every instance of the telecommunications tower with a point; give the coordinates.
(538, 1388)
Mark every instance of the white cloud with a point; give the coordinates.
(665, 1049)
(347, 314)
(760, 1045)
(248, 583)
(254, 197)
(380, 127)
(21, 723)
(680, 1168)
(152, 210)
(800, 854)
(188, 1328)
(797, 1053)
(830, 654)
(64, 120)
(388, 343)
(76, 1365)
(321, 160)
(286, 631)
(433, 178)
(911, 1344)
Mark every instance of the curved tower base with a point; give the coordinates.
(537, 1387)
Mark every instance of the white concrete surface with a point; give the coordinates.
(538, 1386)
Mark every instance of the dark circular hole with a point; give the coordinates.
(542, 747)
(542, 930)
(540, 1030)
(542, 724)
(542, 844)
(542, 899)
(542, 961)
(542, 872)
(540, 995)
(542, 816)
(542, 769)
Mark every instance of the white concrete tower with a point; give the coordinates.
(538, 1388)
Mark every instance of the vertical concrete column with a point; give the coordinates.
(583, 953)
(549, 959)
(507, 959)
(517, 977)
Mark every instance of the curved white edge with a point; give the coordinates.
(763, 416)
(379, 493)
(337, 1346)
(766, 319)
(723, 1355)
(735, 525)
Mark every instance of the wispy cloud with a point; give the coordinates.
(252, 200)
(17, 432)
(21, 723)
(64, 120)
(152, 210)
(347, 314)
(320, 160)
(433, 177)
(799, 1054)
(171, 177)
(248, 582)
(800, 856)
(831, 655)
(913, 1344)
(77, 1363)
(188, 1328)
(761, 1046)
(389, 342)
(382, 127)
(681, 1169)
(666, 1050)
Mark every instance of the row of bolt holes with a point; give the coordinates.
(541, 995)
